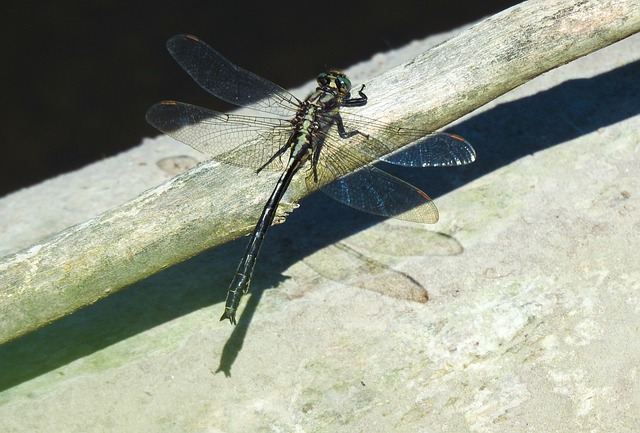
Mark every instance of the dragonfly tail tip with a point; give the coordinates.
(230, 316)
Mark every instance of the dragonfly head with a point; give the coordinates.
(334, 81)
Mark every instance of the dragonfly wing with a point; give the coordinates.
(345, 174)
(229, 82)
(416, 148)
(244, 141)
(434, 150)
(374, 191)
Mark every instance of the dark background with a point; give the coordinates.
(78, 76)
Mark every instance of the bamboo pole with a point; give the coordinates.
(209, 206)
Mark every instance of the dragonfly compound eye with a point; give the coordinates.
(323, 79)
(344, 84)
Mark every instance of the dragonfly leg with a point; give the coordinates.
(356, 102)
(342, 130)
(279, 153)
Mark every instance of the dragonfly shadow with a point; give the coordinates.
(500, 136)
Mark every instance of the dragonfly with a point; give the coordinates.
(336, 146)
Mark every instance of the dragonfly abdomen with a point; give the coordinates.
(240, 284)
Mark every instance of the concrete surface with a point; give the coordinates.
(532, 275)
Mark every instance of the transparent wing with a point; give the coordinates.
(243, 141)
(374, 191)
(229, 82)
(434, 150)
(423, 149)
(368, 188)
